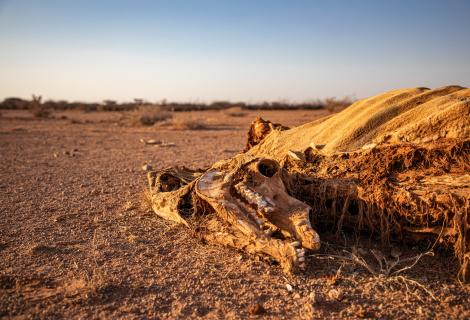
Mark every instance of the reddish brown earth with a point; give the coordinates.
(75, 242)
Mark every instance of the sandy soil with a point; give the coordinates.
(75, 242)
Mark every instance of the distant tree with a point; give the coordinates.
(109, 102)
(37, 108)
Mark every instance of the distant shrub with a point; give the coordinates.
(335, 105)
(149, 115)
(14, 104)
(187, 124)
(236, 112)
(38, 109)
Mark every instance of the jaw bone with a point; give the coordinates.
(261, 217)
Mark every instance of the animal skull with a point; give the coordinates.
(253, 210)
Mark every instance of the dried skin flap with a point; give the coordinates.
(396, 163)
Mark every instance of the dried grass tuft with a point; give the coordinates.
(147, 116)
(186, 124)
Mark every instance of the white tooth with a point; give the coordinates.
(300, 252)
(302, 259)
(268, 209)
(295, 243)
(269, 201)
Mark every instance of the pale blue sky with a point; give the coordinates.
(230, 50)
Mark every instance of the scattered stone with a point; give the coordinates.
(151, 141)
(147, 167)
(256, 309)
(336, 294)
(315, 297)
(289, 287)
(360, 312)
(169, 144)
(297, 296)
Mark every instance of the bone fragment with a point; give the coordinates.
(298, 156)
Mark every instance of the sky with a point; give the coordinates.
(236, 50)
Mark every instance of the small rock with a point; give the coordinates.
(359, 311)
(313, 297)
(336, 294)
(297, 296)
(151, 141)
(256, 308)
(289, 287)
(147, 167)
(168, 145)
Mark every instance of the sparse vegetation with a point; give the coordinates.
(236, 112)
(335, 105)
(38, 109)
(187, 124)
(148, 116)
(332, 104)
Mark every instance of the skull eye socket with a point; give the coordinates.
(268, 168)
(169, 182)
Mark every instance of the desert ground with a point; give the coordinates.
(75, 241)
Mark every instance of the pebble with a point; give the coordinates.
(151, 141)
(147, 167)
(336, 294)
(256, 308)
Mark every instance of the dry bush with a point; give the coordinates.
(335, 105)
(38, 109)
(148, 116)
(186, 124)
(41, 113)
(236, 112)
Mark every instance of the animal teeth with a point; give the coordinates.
(262, 203)
(295, 243)
(300, 252)
(302, 259)
(267, 210)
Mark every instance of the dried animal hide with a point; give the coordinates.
(396, 164)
